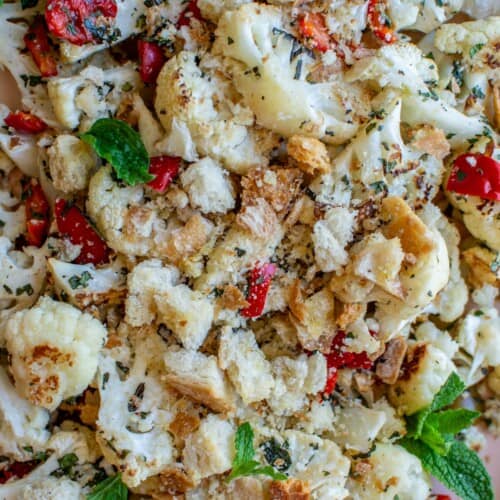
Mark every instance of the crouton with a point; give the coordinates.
(309, 154)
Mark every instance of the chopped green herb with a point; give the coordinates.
(27, 289)
(276, 455)
(378, 187)
(477, 92)
(80, 281)
(475, 49)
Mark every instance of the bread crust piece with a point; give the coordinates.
(309, 154)
(390, 362)
(291, 489)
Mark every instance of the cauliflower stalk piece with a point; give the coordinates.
(22, 425)
(136, 406)
(54, 349)
(201, 112)
(270, 71)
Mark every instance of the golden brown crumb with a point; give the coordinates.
(348, 313)
(232, 298)
(309, 154)
(431, 140)
(291, 489)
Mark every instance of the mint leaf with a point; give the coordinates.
(243, 462)
(122, 147)
(434, 439)
(111, 488)
(461, 470)
(452, 421)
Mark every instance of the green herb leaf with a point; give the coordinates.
(451, 421)
(434, 439)
(122, 147)
(111, 488)
(475, 49)
(461, 470)
(244, 463)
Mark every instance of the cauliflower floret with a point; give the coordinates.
(246, 365)
(294, 380)
(83, 284)
(213, 9)
(149, 129)
(425, 371)
(136, 406)
(208, 187)
(330, 237)
(94, 93)
(207, 113)
(52, 489)
(378, 162)
(429, 332)
(13, 220)
(54, 349)
(71, 162)
(482, 266)
(274, 84)
(22, 425)
(479, 9)
(391, 472)
(210, 449)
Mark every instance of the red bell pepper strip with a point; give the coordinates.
(165, 168)
(72, 224)
(151, 60)
(379, 22)
(192, 11)
(475, 174)
(259, 282)
(37, 42)
(443, 497)
(79, 21)
(339, 357)
(37, 211)
(312, 28)
(17, 470)
(25, 123)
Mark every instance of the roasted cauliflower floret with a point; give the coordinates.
(274, 83)
(71, 162)
(200, 107)
(208, 187)
(54, 349)
(389, 471)
(425, 370)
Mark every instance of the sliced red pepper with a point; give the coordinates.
(79, 21)
(443, 497)
(25, 123)
(37, 214)
(475, 174)
(379, 22)
(192, 11)
(312, 28)
(259, 282)
(151, 60)
(72, 224)
(37, 42)
(339, 357)
(165, 168)
(17, 470)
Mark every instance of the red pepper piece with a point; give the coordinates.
(17, 470)
(443, 497)
(79, 21)
(259, 282)
(37, 214)
(165, 168)
(190, 12)
(151, 60)
(379, 22)
(37, 42)
(25, 123)
(75, 226)
(313, 29)
(340, 358)
(475, 174)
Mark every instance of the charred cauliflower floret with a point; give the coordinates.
(54, 349)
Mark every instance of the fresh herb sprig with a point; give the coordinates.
(121, 146)
(111, 488)
(244, 463)
(432, 438)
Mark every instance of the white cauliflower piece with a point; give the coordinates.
(426, 369)
(83, 284)
(54, 349)
(294, 380)
(213, 9)
(479, 9)
(12, 217)
(136, 407)
(149, 128)
(319, 462)
(91, 94)
(273, 82)
(392, 472)
(52, 489)
(22, 425)
(430, 333)
(206, 106)
(208, 187)
(394, 426)
(246, 365)
(378, 162)
(210, 449)
(71, 162)
(330, 237)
